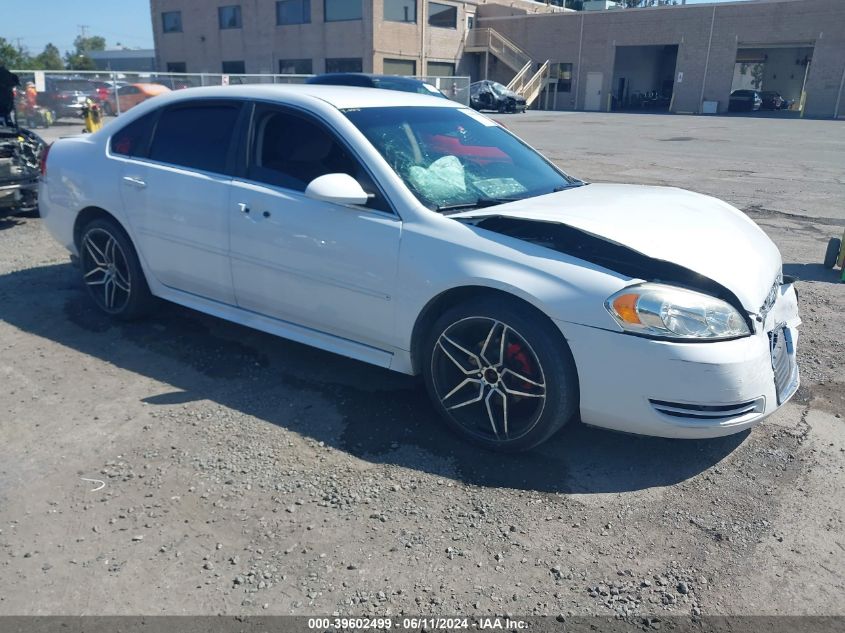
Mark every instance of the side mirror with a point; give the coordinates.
(337, 188)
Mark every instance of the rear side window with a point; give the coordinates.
(134, 139)
(196, 136)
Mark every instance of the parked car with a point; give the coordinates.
(338, 217)
(104, 94)
(490, 95)
(772, 100)
(20, 159)
(385, 82)
(745, 101)
(130, 95)
(66, 96)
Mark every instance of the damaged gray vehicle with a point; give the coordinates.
(20, 160)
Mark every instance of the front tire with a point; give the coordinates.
(501, 375)
(111, 271)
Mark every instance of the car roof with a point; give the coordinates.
(341, 97)
(151, 88)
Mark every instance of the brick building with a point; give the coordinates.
(684, 58)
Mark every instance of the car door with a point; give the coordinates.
(176, 196)
(326, 266)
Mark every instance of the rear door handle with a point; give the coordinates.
(244, 208)
(135, 182)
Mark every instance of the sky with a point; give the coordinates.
(37, 22)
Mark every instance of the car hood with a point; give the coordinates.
(697, 232)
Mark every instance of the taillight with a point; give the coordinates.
(43, 164)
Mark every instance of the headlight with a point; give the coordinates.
(671, 312)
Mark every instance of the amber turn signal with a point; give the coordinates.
(625, 307)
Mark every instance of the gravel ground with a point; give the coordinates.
(184, 465)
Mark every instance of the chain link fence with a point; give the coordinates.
(49, 95)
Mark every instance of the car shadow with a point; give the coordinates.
(812, 272)
(371, 413)
(8, 222)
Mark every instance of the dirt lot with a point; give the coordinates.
(183, 465)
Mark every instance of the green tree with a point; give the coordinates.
(49, 59)
(78, 59)
(11, 56)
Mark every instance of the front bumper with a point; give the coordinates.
(686, 390)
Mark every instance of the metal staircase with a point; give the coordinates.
(527, 82)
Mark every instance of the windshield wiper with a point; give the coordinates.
(478, 204)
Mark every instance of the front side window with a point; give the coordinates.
(230, 17)
(345, 65)
(295, 67)
(400, 10)
(342, 10)
(134, 139)
(291, 150)
(443, 15)
(196, 136)
(293, 12)
(171, 21)
(454, 158)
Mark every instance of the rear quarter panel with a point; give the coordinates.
(79, 175)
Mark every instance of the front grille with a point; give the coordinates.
(708, 412)
(784, 365)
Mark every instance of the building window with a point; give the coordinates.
(230, 16)
(342, 10)
(400, 10)
(345, 65)
(293, 12)
(443, 15)
(441, 69)
(295, 67)
(176, 67)
(171, 21)
(234, 68)
(564, 77)
(400, 67)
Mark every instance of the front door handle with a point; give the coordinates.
(135, 182)
(244, 207)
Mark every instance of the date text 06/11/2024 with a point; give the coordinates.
(416, 624)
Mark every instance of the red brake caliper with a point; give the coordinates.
(517, 355)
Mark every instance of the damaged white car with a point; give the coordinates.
(415, 234)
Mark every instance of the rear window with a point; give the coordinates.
(196, 136)
(134, 139)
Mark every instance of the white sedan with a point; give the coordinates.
(413, 233)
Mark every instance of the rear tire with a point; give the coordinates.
(501, 375)
(111, 272)
(832, 253)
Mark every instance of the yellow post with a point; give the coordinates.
(91, 114)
